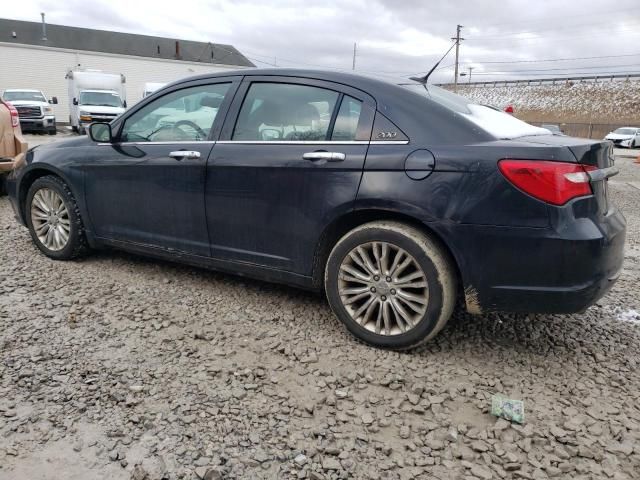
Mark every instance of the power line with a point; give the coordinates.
(552, 59)
(633, 31)
(561, 69)
(560, 27)
(569, 73)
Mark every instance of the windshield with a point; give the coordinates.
(489, 118)
(102, 99)
(625, 131)
(24, 96)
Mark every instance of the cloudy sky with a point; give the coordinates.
(395, 38)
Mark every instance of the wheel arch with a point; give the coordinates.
(30, 176)
(334, 231)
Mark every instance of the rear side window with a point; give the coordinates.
(285, 112)
(346, 125)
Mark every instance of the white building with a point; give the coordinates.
(35, 55)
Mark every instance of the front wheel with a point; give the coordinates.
(392, 285)
(54, 220)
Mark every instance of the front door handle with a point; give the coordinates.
(180, 154)
(328, 156)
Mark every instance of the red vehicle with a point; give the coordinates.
(12, 144)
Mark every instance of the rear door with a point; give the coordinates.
(290, 158)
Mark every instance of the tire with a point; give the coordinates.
(76, 243)
(53, 131)
(428, 259)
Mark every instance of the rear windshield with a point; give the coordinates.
(490, 119)
(23, 96)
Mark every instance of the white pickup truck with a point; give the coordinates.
(35, 110)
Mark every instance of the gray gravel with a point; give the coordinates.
(119, 367)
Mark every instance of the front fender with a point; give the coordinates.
(70, 173)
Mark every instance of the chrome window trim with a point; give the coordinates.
(293, 142)
(181, 142)
(265, 142)
(315, 142)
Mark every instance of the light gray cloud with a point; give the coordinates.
(395, 38)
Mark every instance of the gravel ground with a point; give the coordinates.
(119, 367)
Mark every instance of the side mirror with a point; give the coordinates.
(125, 104)
(75, 101)
(53, 101)
(100, 132)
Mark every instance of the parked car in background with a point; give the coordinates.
(151, 87)
(94, 96)
(12, 145)
(34, 108)
(394, 201)
(625, 137)
(555, 129)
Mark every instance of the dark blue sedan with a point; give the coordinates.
(397, 202)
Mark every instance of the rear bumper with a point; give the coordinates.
(563, 269)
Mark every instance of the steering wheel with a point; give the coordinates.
(191, 124)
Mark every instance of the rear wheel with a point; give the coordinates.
(390, 284)
(54, 220)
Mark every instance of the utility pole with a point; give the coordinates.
(458, 40)
(470, 70)
(353, 66)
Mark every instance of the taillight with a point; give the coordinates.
(551, 182)
(15, 120)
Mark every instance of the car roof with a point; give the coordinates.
(374, 86)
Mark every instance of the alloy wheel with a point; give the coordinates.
(383, 288)
(50, 219)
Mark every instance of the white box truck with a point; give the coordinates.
(94, 96)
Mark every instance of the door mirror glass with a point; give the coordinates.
(281, 111)
(100, 132)
(185, 115)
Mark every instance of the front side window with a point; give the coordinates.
(183, 115)
(347, 120)
(285, 112)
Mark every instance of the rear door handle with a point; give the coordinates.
(328, 156)
(180, 154)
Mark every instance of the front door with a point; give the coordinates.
(148, 187)
(289, 159)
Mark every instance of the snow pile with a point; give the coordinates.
(598, 102)
(631, 316)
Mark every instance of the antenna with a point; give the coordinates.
(423, 80)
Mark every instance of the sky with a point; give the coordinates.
(395, 39)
